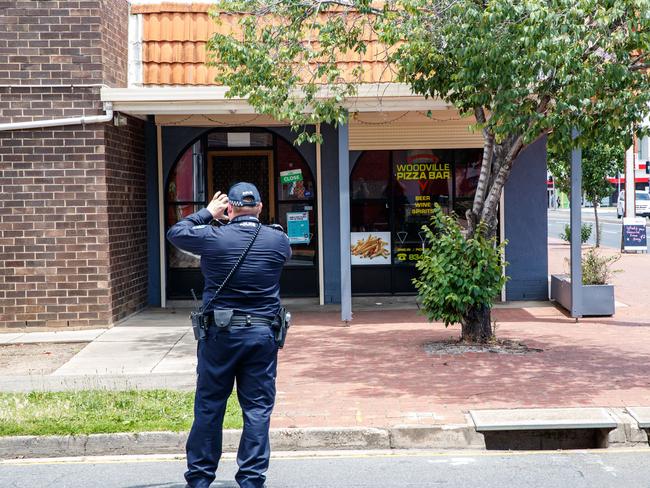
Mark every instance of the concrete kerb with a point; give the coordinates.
(627, 432)
(458, 436)
(352, 438)
(174, 442)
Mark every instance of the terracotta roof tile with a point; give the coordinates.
(174, 52)
(174, 46)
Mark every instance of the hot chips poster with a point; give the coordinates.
(370, 248)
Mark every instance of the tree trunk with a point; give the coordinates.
(595, 202)
(477, 325)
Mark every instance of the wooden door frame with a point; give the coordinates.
(246, 152)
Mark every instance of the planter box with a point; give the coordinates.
(596, 299)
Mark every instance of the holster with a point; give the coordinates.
(281, 327)
(199, 325)
(222, 318)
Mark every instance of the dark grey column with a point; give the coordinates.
(331, 229)
(344, 224)
(576, 230)
(153, 226)
(526, 226)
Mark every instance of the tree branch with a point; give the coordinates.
(486, 164)
(489, 208)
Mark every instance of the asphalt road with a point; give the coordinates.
(610, 225)
(557, 469)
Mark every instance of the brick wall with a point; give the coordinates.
(20, 103)
(67, 254)
(54, 237)
(115, 32)
(50, 42)
(127, 223)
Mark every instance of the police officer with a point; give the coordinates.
(246, 350)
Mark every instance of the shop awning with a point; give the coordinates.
(175, 100)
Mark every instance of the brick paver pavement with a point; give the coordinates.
(376, 372)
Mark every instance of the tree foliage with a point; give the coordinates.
(522, 68)
(600, 160)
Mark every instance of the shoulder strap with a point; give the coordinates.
(234, 268)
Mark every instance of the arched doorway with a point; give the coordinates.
(221, 157)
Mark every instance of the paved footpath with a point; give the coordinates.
(376, 372)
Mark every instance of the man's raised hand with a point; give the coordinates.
(218, 205)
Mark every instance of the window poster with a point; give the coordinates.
(298, 227)
(370, 248)
(422, 178)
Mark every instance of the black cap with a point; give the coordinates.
(244, 194)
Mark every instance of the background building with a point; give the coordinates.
(85, 207)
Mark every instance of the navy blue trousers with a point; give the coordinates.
(249, 356)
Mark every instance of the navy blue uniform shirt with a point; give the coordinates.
(255, 287)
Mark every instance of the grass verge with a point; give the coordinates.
(101, 411)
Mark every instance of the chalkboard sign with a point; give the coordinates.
(634, 235)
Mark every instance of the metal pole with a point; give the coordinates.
(630, 193)
(161, 219)
(319, 203)
(344, 224)
(502, 237)
(576, 230)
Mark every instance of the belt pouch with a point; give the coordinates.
(281, 326)
(198, 325)
(222, 318)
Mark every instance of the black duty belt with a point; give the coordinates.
(243, 320)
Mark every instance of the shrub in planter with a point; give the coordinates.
(597, 269)
(459, 275)
(597, 292)
(585, 233)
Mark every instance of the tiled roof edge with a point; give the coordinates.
(147, 8)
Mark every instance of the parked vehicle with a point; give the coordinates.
(642, 204)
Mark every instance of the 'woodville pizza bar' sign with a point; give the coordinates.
(423, 171)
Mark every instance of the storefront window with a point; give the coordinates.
(185, 195)
(393, 193)
(467, 172)
(370, 178)
(421, 179)
(294, 178)
(186, 183)
(370, 192)
(177, 257)
(295, 203)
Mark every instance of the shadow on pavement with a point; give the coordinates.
(577, 366)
